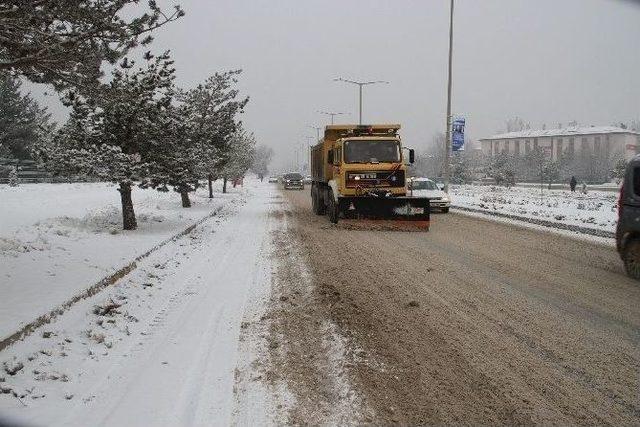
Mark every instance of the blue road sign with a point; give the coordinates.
(457, 135)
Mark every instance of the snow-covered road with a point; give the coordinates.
(168, 354)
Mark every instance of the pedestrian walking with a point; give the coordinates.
(572, 183)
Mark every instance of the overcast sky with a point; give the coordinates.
(547, 61)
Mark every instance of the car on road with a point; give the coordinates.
(439, 182)
(628, 228)
(273, 179)
(424, 187)
(292, 181)
(307, 180)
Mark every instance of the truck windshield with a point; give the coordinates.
(371, 151)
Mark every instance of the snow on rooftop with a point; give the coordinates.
(568, 131)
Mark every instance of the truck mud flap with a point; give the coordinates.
(387, 213)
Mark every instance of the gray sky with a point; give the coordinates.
(547, 61)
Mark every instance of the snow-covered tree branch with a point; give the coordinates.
(65, 42)
(121, 131)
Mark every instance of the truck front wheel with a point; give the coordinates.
(317, 204)
(332, 208)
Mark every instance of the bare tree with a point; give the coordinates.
(429, 161)
(261, 160)
(516, 124)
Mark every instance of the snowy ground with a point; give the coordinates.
(160, 347)
(58, 239)
(595, 210)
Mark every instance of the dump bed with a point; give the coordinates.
(320, 168)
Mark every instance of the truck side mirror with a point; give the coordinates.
(412, 155)
(330, 157)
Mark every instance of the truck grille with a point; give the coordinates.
(375, 179)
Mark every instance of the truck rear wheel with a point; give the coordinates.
(631, 258)
(317, 204)
(332, 208)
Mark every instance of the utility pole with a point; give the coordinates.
(331, 113)
(360, 84)
(447, 143)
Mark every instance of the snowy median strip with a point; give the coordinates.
(97, 287)
(593, 213)
(58, 240)
(541, 222)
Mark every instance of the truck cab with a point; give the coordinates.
(368, 163)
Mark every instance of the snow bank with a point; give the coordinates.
(58, 239)
(595, 210)
(160, 347)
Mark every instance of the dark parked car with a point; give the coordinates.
(292, 181)
(628, 231)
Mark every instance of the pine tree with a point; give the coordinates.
(460, 170)
(211, 111)
(120, 131)
(181, 160)
(23, 123)
(65, 42)
(239, 157)
(619, 169)
(502, 168)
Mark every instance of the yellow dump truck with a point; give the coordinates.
(358, 172)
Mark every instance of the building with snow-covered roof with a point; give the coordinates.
(588, 153)
(601, 142)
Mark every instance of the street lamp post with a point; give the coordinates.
(360, 84)
(331, 113)
(309, 145)
(317, 128)
(447, 143)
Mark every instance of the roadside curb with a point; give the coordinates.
(30, 327)
(542, 222)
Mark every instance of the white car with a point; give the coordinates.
(424, 187)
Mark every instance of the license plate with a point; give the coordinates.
(416, 211)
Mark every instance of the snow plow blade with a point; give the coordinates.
(385, 213)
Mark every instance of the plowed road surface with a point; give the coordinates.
(474, 322)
